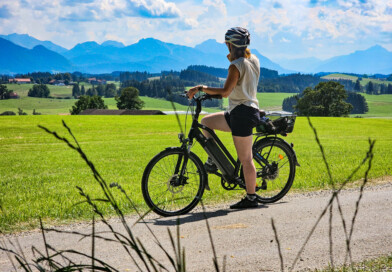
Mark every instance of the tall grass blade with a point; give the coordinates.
(278, 245)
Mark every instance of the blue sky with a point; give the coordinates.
(279, 28)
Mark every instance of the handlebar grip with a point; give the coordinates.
(216, 96)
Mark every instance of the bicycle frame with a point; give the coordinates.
(229, 167)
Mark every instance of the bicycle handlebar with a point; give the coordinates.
(207, 96)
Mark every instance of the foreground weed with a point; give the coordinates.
(61, 260)
(329, 207)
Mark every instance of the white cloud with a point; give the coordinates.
(273, 23)
(218, 5)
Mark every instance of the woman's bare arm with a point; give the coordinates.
(231, 82)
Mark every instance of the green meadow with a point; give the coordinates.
(364, 81)
(379, 105)
(39, 174)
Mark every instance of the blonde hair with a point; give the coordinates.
(247, 53)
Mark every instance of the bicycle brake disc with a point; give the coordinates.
(173, 185)
(271, 173)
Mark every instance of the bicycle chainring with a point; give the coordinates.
(227, 185)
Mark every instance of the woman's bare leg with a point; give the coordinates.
(214, 121)
(243, 146)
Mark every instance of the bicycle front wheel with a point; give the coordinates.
(165, 190)
(273, 180)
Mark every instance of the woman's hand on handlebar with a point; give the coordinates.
(194, 90)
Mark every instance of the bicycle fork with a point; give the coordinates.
(179, 171)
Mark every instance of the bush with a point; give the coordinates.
(88, 102)
(39, 90)
(8, 113)
(21, 112)
(36, 113)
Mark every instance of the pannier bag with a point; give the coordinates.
(281, 125)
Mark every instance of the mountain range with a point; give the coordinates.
(23, 53)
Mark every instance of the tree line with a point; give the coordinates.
(171, 86)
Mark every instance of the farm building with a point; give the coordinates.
(95, 81)
(19, 80)
(14, 95)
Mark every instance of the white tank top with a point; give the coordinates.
(246, 89)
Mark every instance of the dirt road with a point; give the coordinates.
(245, 238)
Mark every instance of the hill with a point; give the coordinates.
(374, 60)
(17, 59)
(29, 42)
(152, 55)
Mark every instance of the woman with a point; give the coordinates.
(243, 111)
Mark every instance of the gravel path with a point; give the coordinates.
(245, 239)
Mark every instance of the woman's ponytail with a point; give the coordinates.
(247, 53)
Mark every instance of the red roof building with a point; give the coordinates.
(19, 80)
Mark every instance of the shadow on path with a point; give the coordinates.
(196, 216)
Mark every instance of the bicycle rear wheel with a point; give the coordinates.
(168, 193)
(273, 182)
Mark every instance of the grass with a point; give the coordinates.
(38, 174)
(364, 81)
(379, 105)
(383, 263)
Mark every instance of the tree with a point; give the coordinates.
(370, 88)
(357, 86)
(91, 91)
(326, 99)
(359, 103)
(39, 90)
(100, 90)
(289, 103)
(82, 90)
(110, 90)
(129, 99)
(88, 102)
(75, 90)
(383, 88)
(4, 92)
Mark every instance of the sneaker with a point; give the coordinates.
(210, 166)
(245, 203)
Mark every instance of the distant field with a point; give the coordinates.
(379, 105)
(38, 174)
(364, 81)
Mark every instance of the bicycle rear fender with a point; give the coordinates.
(289, 146)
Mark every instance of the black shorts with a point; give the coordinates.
(242, 119)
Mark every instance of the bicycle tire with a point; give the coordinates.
(272, 187)
(161, 195)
